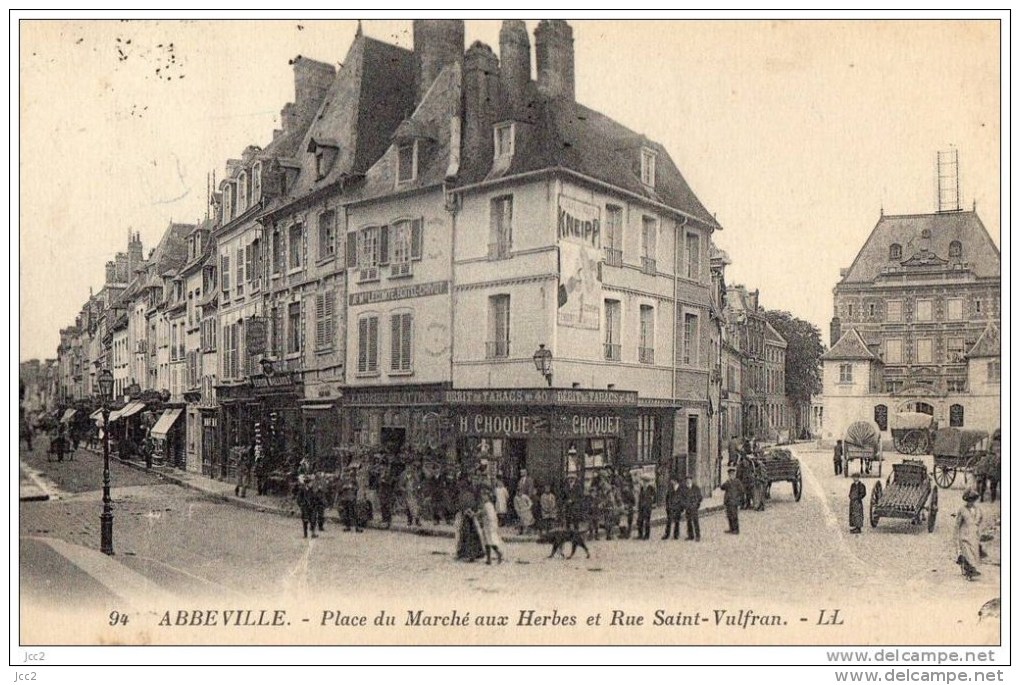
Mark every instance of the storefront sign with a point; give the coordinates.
(276, 380)
(399, 293)
(528, 396)
(255, 336)
(587, 425)
(394, 398)
(502, 425)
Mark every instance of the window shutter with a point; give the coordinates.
(302, 343)
(352, 250)
(249, 259)
(373, 344)
(362, 345)
(320, 322)
(384, 245)
(416, 238)
(225, 272)
(329, 305)
(405, 340)
(395, 343)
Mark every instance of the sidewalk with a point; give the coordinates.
(285, 506)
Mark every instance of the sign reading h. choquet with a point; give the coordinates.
(402, 292)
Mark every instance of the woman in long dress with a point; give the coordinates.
(968, 535)
(468, 536)
(857, 494)
(525, 518)
(490, 528)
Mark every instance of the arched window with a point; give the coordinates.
(955, 250)
(895, 251)
(956, 415)
(882, 416)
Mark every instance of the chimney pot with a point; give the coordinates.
(515, 61)
(438, 43)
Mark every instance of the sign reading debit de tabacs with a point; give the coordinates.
(580, 241)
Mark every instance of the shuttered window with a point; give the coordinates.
(368, 345)
(240, 271)
(294, 327)
(225, 275)
(325, 305)
(400, 342)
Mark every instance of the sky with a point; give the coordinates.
(795, 134)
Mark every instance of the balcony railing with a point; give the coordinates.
(368, 273)
(611, 351)
(499, 349)
(500, 250)
(646, 355)
(648, 265)
(614, 257)
(400, 270)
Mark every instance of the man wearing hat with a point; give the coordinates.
(348, 498)
(692, 503)
(732, 500)
(674, 508)
(857, 494)
(646, 500)
(573, 498)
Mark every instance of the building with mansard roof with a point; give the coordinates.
(915, 317)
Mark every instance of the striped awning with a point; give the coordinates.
(129, 409)
(165, 423)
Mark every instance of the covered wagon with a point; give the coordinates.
(862, 441)
(912, 432)
(955, 450)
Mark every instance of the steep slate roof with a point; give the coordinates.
(371, 94)
(556, 132)
(430, 125)
(850, 347)
(978, 249)
(988, 344)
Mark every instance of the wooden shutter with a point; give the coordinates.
(329, 307)
(384, 245)
(373, 344)
(249, 260)
(405, 342)
(352, 249)
(225, 273)
(320, 321)
(416, 239)
(362, 345)
(395, 344)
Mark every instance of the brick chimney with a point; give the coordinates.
(311, 81)
(134, 255)
(515, 61)
(554, 57)
(835, 331)
(122, 273)
(437, 44)
(111, 272)
(481, 98)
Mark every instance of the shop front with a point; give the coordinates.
(556, 432)
(398, 419)
(168, 438)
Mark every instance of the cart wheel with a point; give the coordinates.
(944, 475)
(933, 509)
(876, 496)
(798, 487)
(898, 444)
(909, 443)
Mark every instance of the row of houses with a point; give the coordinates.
(437, 252)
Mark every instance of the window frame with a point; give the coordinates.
(930, 305)
(400, 147)
(293, 329)
(329, 229)
(648, 160)
(400, 366)
(929, 343)
(367, 361)
(889, 310)
(899, 351)
(293, 254)
(846, 373)
(507, 151)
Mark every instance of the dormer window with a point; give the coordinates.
(228, 202)
(256, 182)
(955, 250)
(648, 167)
(325, 151)
(407, 162)
(242, 192)
(503, 140)
(895, 252)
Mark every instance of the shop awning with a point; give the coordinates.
(316, 407)
(96, 414)
(165, 423)
(129, 409)
(68, 415)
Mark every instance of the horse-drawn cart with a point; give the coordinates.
(957, 450)
(909, 495)
(912, 432)
(862, 441)
(779, 465)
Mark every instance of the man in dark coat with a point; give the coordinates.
(646, 500)
(732, 500)
(573, 500)
(348, 498)
(626, 485)
(837, 458)
(692, 503)
(674, 508)
(857, 494)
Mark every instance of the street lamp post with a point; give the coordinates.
(543, 363)
(106, 518)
